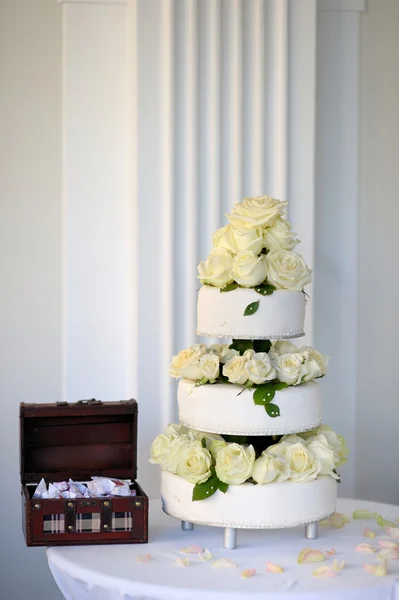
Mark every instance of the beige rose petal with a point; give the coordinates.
(337, 521)
(384, 522)
(338, 565)
(364, 514)
(331, 552)
(364, 548)
(387, 553)
(224, 563)
(248, 573)
(192, 550)
(205, 555)
(379, 570)
(144, 558)
(182, 562)
(307, 555)
(272, 568)
(324, 572)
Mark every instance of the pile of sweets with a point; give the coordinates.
(99, 486)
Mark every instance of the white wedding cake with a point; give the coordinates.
(250, 450)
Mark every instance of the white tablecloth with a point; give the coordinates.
(113, 573)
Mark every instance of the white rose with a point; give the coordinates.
(235, 239)
(208, 437)
(268, 468)
(302, 462)
(160, 448)
(228, 354)
(217, 445)
(259, 368)
(235, 371)
(177, 450)
(283, 347)
(287, 270)
(279, 236)
(322, 450)
(216, 269)
(209, 367)
(176, 429)
(288, 368)
(259, 211)
(315, 364)
(248, 354)
(234, 463)
(184, 357)
(337, 442)
(195, 464)
(248, 269)
(216, 348)
(291, 438)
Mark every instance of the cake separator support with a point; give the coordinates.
(230, 538)
(312, 530)
(187, 526)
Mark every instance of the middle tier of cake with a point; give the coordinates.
(226, 408)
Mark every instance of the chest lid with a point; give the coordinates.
(77, 440)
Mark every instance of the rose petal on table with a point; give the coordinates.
(364, 514)
(182, 562)
(337, 520)
(331, 552)
(364, 548)
(248, 573)
(369, 533)
(384, 522)
(324, 571)
(389, 544)
(393, 532)
(192, 549)
(272, 568)
(338, 565)
(143, 558)
(307, 555)
(387, 553)
(205, 555)
(379, 570)
(224, 563)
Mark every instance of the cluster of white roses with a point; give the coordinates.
(285, 362)
(298, 458)
(256, 224)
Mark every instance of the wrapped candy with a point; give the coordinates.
(99, 486)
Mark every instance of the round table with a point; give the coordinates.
(113, 572)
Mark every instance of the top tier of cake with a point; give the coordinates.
(222, 315)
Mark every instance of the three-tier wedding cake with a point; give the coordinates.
(250, 450)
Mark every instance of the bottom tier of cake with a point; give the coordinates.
(249, 506)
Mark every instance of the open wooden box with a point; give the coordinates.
(79, 440)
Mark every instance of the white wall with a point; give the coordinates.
(377, 409)
(30, 259)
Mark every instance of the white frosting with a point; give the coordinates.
(249, 506)
(221, 314)
(218, 408)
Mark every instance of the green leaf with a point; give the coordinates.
(222, 486)
(205, 490)
(229, 287)
(280, 385)
(264, 394)
(242, 345)
(265, 289)
(272, 410)
(251, 308)
(203, 442)
(262, 345)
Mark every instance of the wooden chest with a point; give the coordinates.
(79, 440)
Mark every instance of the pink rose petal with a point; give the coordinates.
(393, 532)
(337, 520)
(379, 570)
(331, 552)
(248, 573)
(307, 555)
(364, 548)
(370, 568)
(338, 565)
(389, 544)
(224, 563)
(369, 533)
(324, 572)
(272, 568)
(182, 562)
(144, 558)
(192, 550)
